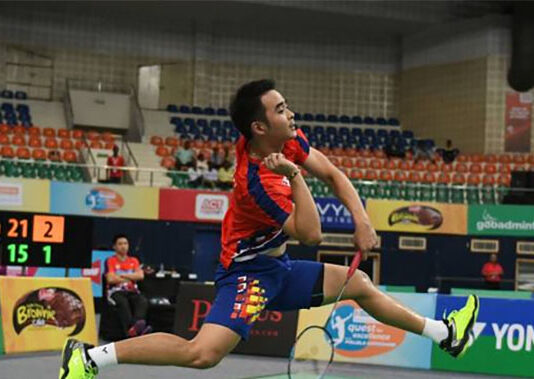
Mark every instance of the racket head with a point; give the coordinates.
(311, 354)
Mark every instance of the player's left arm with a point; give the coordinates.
(137, 275)
(319, 166)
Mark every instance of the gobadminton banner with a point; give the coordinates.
(31, 195)
(505, 343)
(39, 314)
(104, 200)
(518, 122)
(417, 217)
(360, 338)
(501, 220)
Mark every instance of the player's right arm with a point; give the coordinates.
(111, 276)
(303, 223)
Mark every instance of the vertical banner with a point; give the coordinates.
(38, 314)
(359, 338)
(518, 120)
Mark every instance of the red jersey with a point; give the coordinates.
(127, 266)
(492, 272)
(117, 161)
(260, 204)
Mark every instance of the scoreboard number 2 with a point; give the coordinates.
(48, 229)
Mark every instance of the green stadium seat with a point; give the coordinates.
(457, 194)
(426, 192)
(442, 193)
(397, 191)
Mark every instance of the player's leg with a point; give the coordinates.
(454, 334)
(120, 299)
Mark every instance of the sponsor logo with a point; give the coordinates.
(103, 200)
(332, 211)
(417, 215)
(210, 207)
(489, 222)
(49, 306)
(93, 272)
(11, 194)
(515, 337)
(356, 334)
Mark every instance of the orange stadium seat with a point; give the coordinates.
(34, 131)
(505, 168)
(490, 158)
(4, 129)
(19, 130)
(50, 143)
(93, 136)
(460, 167)
(519, 167)
(366, 153)
(325, 150)
(66, 144)
(156, 140)
(4, 139)
(386, 175)
(504, 180)
(473, 179)
(371, 175)
(96, 144)
(490, 168)
(350, 152)
(504, 159)
(519, 159)
(446, 167)
(171, 141)
(432, 167)
(429, 177)
(458, 178)
(361, 163)
(414, 177)
(18, 140)
(63, 133)
(404, 165)
(49, 132)
(70, 156)
(379, 154)
(475, 168)
(34, 141)
(419, 166)
(162, 151)
(356, 174)
(80, 144)
(77, 134)
(347, 162)
(391, 164)
(488, 180)
(7, 152)
(462, 158)
(39, 154)
(376, 164)
(476, 158)
(23, 153)
(338, 151)
(444, 178)
(168, 162)
(108, 137)
(109, 145)
(54, 155)
(400, 176)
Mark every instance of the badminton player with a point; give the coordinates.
(270, 204)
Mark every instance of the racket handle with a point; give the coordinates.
(354, 264)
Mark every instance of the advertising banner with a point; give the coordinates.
(505, 331)
(39, 314)
(417, 217)
(25, 195)
(104, 200)
(272, 334)
(501, 220)
(95, 272)
(518, 120)
(333, 214)
(360, 338)
(192, 205)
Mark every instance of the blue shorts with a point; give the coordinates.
(247, 288)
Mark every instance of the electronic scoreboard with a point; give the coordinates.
(45, 240)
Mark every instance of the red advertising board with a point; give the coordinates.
(192, 205)
(518, 121)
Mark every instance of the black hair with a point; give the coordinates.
(246, 106)
(117, 236)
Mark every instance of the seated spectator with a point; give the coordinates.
(202, 163)
(115, 160)
(423, 150)
(122, 274)
(225, 176)
(394, 149)
(210, 176)
(449, 154)
(195, 175)
(217, 158)
(229, 155)
(185, 156)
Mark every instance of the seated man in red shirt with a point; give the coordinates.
(492, 272)
(122, 273)
(116, 160)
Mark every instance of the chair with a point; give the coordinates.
(156, 140)
(172, 108)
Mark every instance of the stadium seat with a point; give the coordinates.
(21, 95)
(96, 145)
(320, 117)
(344, 119)
(156, 140)
(38, 154)
(222, 112)
(66, 144)
(209, 111)
(23, 153)
(368, 120)
(69, 156)
(393, 121)
(77, 134)
(307, 117)
(184, 109)
(381, 121)
(49, 132)
(332, 118)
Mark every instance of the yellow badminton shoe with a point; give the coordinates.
(75, 362)
(460, 324)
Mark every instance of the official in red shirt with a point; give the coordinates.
(116, 160)
(492, 272)
(122, 274)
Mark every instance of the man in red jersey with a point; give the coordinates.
(492, 272)
(115, 160)
(271, 203)
(122, 274)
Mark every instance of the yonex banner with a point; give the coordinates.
(505, 343)
(358, 337)
(501, 220)
(333, 214)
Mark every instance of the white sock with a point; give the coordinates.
(435, 330)
(104, 355)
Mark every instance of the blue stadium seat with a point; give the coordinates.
(368, 120)
(176, 121)
(23, 108)
(202, 122)
(344, 131)
(209, 111)
(356, 132)
(221, 132)
(297, 116)
(344, 119)
(172, 108)
(26, 123)
(222, 112)
(369, 133)
(184, 109)
(21, 95)
(393, 121)
(306, 130)
(407, 134)
(196, 110)
(206, 130)
(394, 133)
(228, 125)
(179, 129)
(318, 130)
(212, 137)
(307, 117)
(189, 121)
(7, 94)
(24, 117)
(234, 133)
(382, 133)
(381, 121)
(356, 120)
(7, 107)
(331, 130)
(215, 123)
(332, 118)
(320, 117)
(184, 136)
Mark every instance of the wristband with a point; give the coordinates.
(292, 175)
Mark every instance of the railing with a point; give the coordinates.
(136, 131)
(99, 86)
